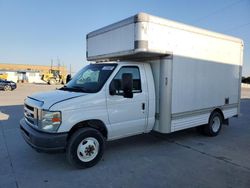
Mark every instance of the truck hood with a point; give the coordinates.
(47, 99)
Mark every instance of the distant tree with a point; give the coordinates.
(245, 80)
(248, 80)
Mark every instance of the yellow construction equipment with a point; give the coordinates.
(50, 74)
(3, 76)
(54, 76)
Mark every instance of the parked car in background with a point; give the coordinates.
(7, 85)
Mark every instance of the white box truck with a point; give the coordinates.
(150, 74)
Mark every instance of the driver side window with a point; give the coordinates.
(116, 83)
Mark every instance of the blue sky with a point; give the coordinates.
(34, 32)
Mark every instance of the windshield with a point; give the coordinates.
(90, 79)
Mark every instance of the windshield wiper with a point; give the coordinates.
(65, 88)
(80, 89)
(75, 89)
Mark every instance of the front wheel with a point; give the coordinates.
(85, 148)
(52, 81)
(214, 125)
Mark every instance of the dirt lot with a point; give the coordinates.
(245, 93)
(181, 159)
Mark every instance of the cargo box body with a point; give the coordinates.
(195, 71)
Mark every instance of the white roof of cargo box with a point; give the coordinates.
(144, 17)
(144, 36)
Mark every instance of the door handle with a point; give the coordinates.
(143, 106)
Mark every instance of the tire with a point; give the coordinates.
(7, 88)
(52, 82)
(85, 148)
(214, 124)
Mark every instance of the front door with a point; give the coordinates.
(127, 116)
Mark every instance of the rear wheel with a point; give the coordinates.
(85, 148)
(7, 88)
(52, 81)
(214, 125)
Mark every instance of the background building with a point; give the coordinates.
(28, 73)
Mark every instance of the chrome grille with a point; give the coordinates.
(30, 114)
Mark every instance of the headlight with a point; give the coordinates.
(50, 121)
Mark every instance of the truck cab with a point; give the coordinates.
(109, 98)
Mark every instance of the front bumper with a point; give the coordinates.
(41, 141)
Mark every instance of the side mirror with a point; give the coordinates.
(127, 85)
(112, 90)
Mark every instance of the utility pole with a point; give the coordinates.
(58, 63)
(51, 64)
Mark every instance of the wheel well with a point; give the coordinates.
(219, 111)
(94, 123)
